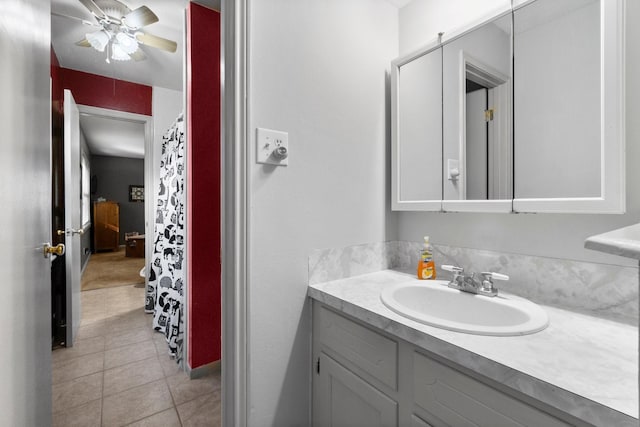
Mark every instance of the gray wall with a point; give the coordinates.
(115, 174)
(318, 72)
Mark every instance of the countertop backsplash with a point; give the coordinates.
(600, 290)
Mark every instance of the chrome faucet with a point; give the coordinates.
(473, 284)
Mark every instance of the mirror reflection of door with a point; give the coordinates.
(476, 141)
(477, 121)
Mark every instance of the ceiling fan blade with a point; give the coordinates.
(93, 8)
(84, 21)
(138, 55)
(83, 43)
(140, 17)
(157, 42)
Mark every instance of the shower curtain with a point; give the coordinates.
(165, 292)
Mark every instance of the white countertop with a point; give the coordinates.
(624, 242)
(582, 365)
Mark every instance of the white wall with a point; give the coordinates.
(422, 20)
(317, 71)
(167, 105)
(553, 235)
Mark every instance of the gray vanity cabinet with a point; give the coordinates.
(344, 399)
(365, 377)
(355, 373)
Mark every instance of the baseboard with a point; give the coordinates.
(84, 266)
(204, 370)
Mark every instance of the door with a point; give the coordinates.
(72, 218)
(344, 399)
(25, 112)
(476, 149)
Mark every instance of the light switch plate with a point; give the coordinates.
(269, 140)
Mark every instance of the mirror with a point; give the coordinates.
(417, 125)
(561, 118)
(477, 119)
(532, 114)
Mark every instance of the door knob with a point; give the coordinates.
(55, 250)
(71, 232)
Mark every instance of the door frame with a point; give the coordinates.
(235, 213)
(149, 185)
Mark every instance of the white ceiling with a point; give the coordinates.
(113, 137)
(161, 68)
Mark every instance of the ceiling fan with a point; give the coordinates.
(120, 30)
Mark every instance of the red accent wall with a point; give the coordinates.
(105, 92)
(203, 192)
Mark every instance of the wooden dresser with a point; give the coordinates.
(106, 226)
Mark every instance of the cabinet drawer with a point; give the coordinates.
(456, 399)
(369, 351)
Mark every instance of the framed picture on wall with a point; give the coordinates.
(136, 193)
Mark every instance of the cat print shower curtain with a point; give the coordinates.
(165, 292)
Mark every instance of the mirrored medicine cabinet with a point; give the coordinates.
(522, 113)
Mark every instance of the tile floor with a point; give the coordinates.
(119, 372)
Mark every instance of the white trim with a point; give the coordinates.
(185, 120)
(497, 206)
(235, 213)
(612, 114)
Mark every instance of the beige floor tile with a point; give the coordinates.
(80, 348)
(87, 415)
(132, 375)
(89, 306)
(203, 411)
(184, 389)
(136, 404)
(131, 320)
(67, 370)
(168, 418)
(120, 339)
(123, 307)
(76, 392)
(168, 363)
(92, 330)
(128, 354)
(91, 317)
(158, 337)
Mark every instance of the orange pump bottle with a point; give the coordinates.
(426, 265)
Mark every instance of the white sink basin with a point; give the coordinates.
(431, 302)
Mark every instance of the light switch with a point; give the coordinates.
(272, 147)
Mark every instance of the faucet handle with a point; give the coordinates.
(487, 283)
(493, 276)
(452, 268)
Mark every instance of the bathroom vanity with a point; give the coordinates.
(374, 367)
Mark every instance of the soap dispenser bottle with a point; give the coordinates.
(426, 265)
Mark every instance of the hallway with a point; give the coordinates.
(120, 374)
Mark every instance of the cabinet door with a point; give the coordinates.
(459, 400)
(344, 399)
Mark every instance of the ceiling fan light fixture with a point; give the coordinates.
(118, 53)
(127, 43)
(98, 40)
